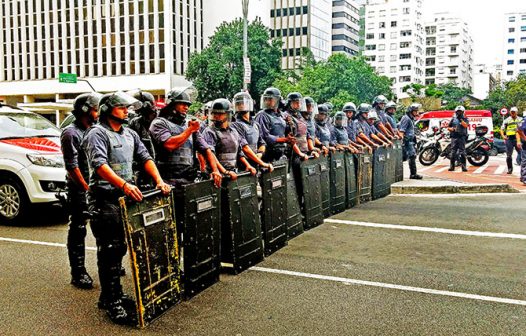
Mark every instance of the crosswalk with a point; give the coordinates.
(490, 169)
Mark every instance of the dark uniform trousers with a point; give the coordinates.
(78, 220)
(458, 150)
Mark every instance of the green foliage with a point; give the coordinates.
(217, 72)
(434, 91)
(338, 80)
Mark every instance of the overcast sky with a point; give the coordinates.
(485, 19)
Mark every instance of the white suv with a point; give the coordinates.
(31, 163)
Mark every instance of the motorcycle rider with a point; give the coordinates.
(85, 110)
(458, 128)
(508, 132)
(407, 129)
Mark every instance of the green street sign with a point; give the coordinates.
(67, 78)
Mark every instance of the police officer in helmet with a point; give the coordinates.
(273, 125)
(508, 132)
(245, 125)
(407, 129)
(297, 126)
(364, 133)
(111, 150)
(339, 135)
(382, 122)
(390, 110)
(349, 109)
(308, 114)
(85, 110)
(458, 128)
(323, 130)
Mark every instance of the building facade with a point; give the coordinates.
(449, 52)
(483, 81)
(301, 25)
(394, 41)
(514, 46)
(116, 45)
(345, 27)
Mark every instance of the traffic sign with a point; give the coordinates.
(67, 78)
(504, 111)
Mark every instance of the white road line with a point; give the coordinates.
(443, 169)
(36, 242)
(479, 170)
(500, 169)
(429, 229)
(391, 286)
(425, 168)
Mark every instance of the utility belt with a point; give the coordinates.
(106, 194)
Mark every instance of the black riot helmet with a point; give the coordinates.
(330, 107)
(363, 108)
(390, 107)
(176, 96)
(322, 115)
(270, 99)
(295, 102)
(412, 110)
(243, 103)
(117, 99)
(310, 108)
(148, 102)
(379, 100)
(220, 107)
(85, 102)
(340, 119)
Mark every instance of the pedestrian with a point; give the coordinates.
(407, 129)
(272, 125)
(508, 132)
(111, 149)
(521, 143)
(85, 110)
(458, 128)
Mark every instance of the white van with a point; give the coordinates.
(31, 163)
(440, 119)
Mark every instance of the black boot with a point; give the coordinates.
(509, 162)
(81, 279)
(120, 314)
(452, 164)
(412, 169)
(119, 307)
(463, 163)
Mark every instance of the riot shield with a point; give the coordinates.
(378, 186)
(311, 187)
(399, 165)
(364, 172)
(274, 208)
(199, 207)
(389, 169)
(294, 216)
(351, 187)
(151, 235)
(325, 184)
(337, 182)
(241, 243)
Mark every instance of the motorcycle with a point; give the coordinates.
(432, 147)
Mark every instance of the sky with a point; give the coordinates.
(485, 19)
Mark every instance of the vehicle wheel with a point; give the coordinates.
(14, 203)
(478, 158)
(428, 156)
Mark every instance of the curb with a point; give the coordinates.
(461, 189)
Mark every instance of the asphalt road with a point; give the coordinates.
(341, 278)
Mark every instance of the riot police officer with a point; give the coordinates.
(111, 149)
(458, 128)
(349, 109)
(298, 126)
(390, 110)
(407, 130)
(323, 130)
(141, 124)
(313, 142)
(273, 126)
(382, 122)
(176, 140)
(363, 131)
(508, 132)
(85, 110)
(339, 135)
(229, 147)
(373, 120)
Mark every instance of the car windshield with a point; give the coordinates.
(24, 124)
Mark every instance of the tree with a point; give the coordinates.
(453, 95)
(338, 79)
(218, 71)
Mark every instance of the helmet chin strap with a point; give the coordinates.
(119, 120)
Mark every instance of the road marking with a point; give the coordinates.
(441, 170)
(480, 170)
(500, 169)
(426, 168)
(36, 242)
(429, 229)
(390, 286)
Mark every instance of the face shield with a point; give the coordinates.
(298, 105)
(311, 108)
(270, 102)
(93, 100)
(340, 120)
(321, 117)
(243, 104)
(121, 99)
(372, 116)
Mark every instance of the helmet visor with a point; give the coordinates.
(243, 104)
(298, 105)
(122, 99)
(340, 119)
(93, 100)
(270, 102)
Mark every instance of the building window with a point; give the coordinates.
(369, 36)
(393, 23)
(453, 50)
(405, 32)
(523, 28)
(509, 73)
(523, 39)
(405, 44)
(393, 46)
(511, 40)
(392, 69)
(511, 51)
(522, 61)
(382, 25)
(405, 10)
(381, 58)
(393, 35)
(381, 36)
(405, 56)
(523, 50)
(370, 47)
(381, 47)
(393, 58)
(511, 19)
(511, 30)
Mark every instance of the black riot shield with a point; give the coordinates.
(274, 208)
(337, 182)
(311, 186)
(241, 243)
(364, 172)
(151, 236)
(378, 186)
(351, 186)
(294, 216)
(390, 162)
(325, 184)
(399, 164)
(199, 206)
